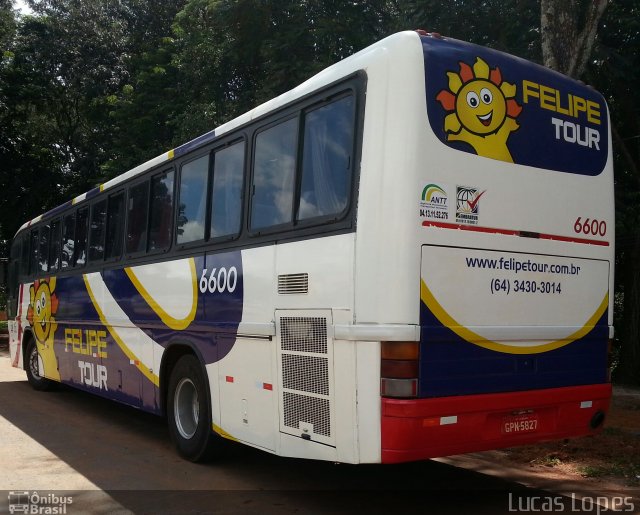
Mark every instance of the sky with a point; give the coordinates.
(21, 6)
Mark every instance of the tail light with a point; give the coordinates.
(399, 369)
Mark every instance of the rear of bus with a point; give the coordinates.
(500, 206)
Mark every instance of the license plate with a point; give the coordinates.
(520, 423)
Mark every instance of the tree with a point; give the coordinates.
(234, 55)
(616, 73)
(568, 31)
(143, 112)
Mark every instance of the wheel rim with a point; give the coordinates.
(34, 363)
(186, 408)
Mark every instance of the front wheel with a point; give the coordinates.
(33, 367)
(189, 412)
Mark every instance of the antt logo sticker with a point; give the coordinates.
(483, 109)
(43, 306)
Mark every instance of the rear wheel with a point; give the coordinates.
(189, 413)
(33, 367)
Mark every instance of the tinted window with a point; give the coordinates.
(273, 175)
(68, 229)
(25, 256)
(54, 249)
(326, 165)
(14, 268)
(43, 254)
(193, 200)
(137, 211)
(115, 226)
(33, 255)
(82, 225)
(161, 211)
(226, 200)
(97, 230)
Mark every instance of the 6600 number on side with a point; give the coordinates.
(219, 280)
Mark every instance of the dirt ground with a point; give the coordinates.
(608, 462)
(612, 456)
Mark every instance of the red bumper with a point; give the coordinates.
(427, 428)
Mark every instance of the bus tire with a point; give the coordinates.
(32, 368)
(189, 412)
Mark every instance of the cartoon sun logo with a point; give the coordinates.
(482, 109)
(43, 306)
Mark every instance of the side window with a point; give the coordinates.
(25, 257)
(14, 268)
(115, 226)
(326, 162)
(43, 254)
(33, 254)
(97, 230)
(192, 206)
(273, 175)
(54, 249)
(82, 225)
(161, 212)
(137, 214)
(68, 236)
(226, 198)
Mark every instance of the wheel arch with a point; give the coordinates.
(170, 357)
(27, 334)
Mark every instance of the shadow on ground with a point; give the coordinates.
(127, 454)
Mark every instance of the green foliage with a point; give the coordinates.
(615, 71)
(233, 55)
(512, 27)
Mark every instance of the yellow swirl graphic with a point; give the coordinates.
(174, 323)
(127, 351)
(472, 337)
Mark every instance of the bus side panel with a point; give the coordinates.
(94, 342)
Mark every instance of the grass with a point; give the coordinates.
(624, 468)
(3, 326)
(550, 460)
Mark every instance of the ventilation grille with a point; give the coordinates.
(308, 334)
(312, 410)
(305, 368)
(305, 373)
(289, 284)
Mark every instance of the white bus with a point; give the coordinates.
(409, 255)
